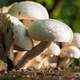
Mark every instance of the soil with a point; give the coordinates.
(44, 74)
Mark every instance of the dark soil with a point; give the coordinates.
(45, 74)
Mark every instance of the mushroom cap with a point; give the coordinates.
(75, 52)
(54, 49)
(21, 36)
(71, 51)
(30, 9)
(76, 39)
(50, 30)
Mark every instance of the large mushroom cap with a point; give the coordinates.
(30, 9)
(21, 37)
(50, 30)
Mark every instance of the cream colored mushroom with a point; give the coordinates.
(49, 61)
(67, 55)
(27, 10)
(50, 30)
(21, 36)
(54, 49)
(70, 52)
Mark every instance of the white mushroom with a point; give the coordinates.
(54, 49)
(21, 37)
(29, 9)
(70, 52)
(76, 39)
(50, 30)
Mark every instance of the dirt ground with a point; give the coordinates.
(45, 74)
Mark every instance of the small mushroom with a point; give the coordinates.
(50, 59)
(28, 10)
(21, 36)
(51, 30)
(48, 31)
(68, 53)
(71, 52)
(54, 49)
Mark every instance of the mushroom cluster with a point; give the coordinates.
(42, 29)
(38, 40)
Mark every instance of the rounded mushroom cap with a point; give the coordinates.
(50, 30)
(54, 49)
(75, 52)
(30, 9)
(21, 36)
(76, 39)
(70, 51)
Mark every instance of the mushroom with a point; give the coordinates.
(28, 10)
(54, 49)
(50, 59)
(68, 53)
(49, 30)
(11, 27)
(21, 36)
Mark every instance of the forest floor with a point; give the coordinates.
(44, 74)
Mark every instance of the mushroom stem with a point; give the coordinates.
(32, 53)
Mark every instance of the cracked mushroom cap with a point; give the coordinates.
(21, 36)
(29, 9)
(50, 30)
